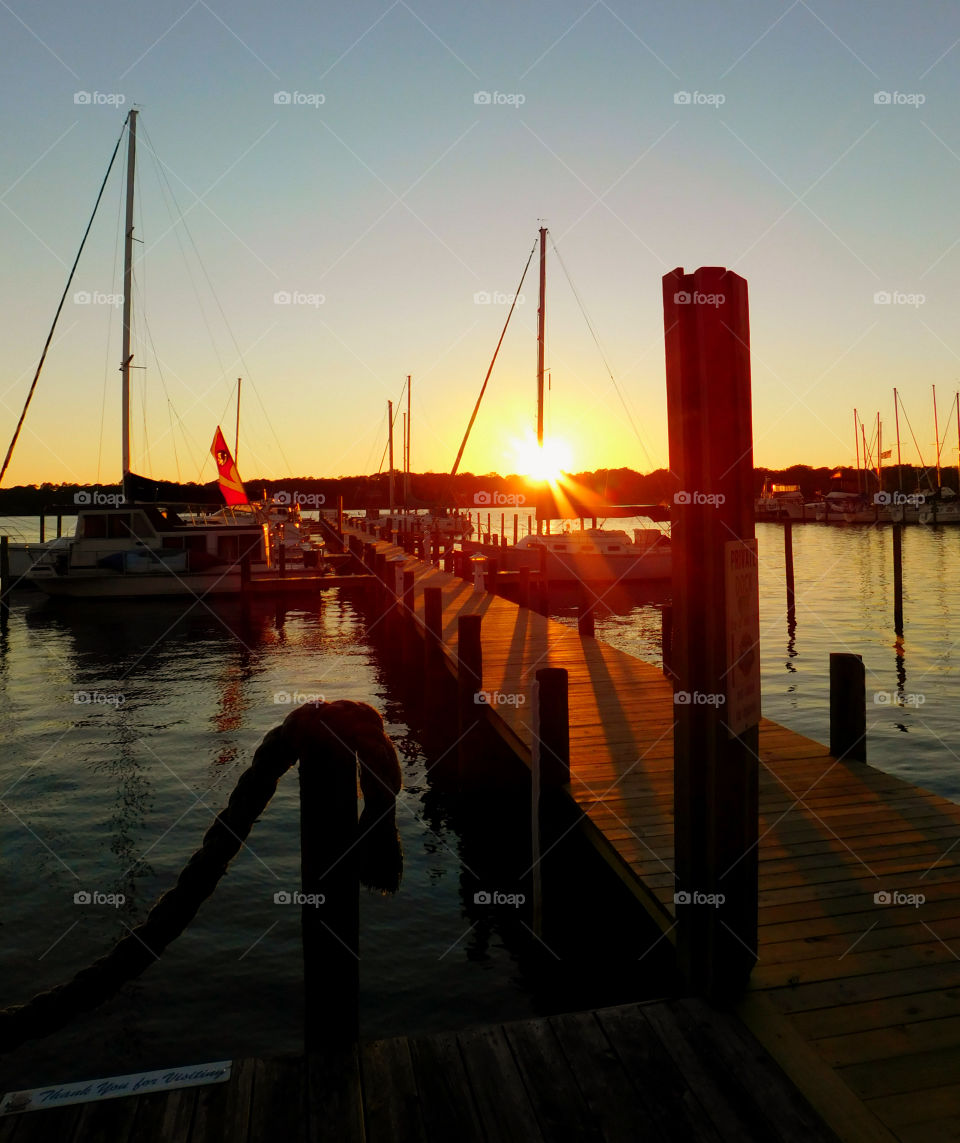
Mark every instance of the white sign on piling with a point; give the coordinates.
(742, 583)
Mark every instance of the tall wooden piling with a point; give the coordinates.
(848, 706)
(715, 627)
(553, 727)
(666, 638)
(898, 578)
(330, 910)
(788, 564)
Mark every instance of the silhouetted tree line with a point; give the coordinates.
(615, 485)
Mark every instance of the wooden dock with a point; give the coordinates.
(856, 995)
(664, 1071)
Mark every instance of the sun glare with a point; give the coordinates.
(542, 463)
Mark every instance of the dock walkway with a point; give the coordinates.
(664, 1071)
(856, 991)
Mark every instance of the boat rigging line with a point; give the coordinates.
(56, 316)
(603, 356)
(483, 389)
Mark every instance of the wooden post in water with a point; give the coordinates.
(329, 881)
(898, 578)
(666, 638)
(340, 515)
(43, 526)
(4, 578)
(848, 706)
(59, 525)
(715, 627)
(470, 701)
(788, 563)
(515, 528)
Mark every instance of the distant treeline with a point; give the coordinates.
(615, 485)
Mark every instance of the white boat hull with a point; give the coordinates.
(116, 585)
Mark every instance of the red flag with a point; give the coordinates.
(231, 486)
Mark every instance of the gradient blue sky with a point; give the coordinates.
(399, 198)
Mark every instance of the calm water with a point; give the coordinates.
(113, 795)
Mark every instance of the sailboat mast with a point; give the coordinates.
(896, 418)
(541, 325)
(936, 432)
(127, 291)
(879, 453)
(856, 441)
(390, 439)
(406, 483)
(236, 435)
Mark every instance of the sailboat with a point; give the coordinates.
(139, 548)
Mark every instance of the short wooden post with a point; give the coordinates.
(523, 586)
(848, 706)
(585, 617)
(329, 881)
(493, 568)
(666, 638)
(340, 515)
(553, 727)
(788, 563)
(543, 584)
(43, 526)
(436, 547)
(282, 556)
(529, 525)
(898, 578)
(515, 527)
(715, 652)
(59, 525)
(502, 527)
(470, 697)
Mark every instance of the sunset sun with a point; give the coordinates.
(546, 462)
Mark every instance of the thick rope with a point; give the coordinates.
(342, 726)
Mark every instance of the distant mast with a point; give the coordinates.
(127, 292)
(541, 325)
(390, 444)
(936, 433)
(896, 418)
(407, 428)
(236, 435)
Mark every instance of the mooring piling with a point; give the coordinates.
(470, 697)
(898, 578)
(848, 706)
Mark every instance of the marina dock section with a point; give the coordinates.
(856, 991)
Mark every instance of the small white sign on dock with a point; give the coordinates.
(113, 1087)
(743, 636)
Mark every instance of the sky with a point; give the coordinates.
(330, 198)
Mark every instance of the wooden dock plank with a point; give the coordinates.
(504, 1110)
